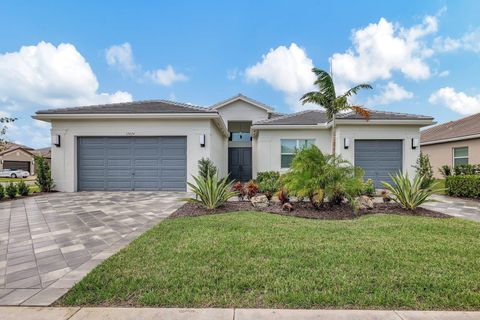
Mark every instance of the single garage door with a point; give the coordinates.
(16, 165)
(132, 163)
(379, 159)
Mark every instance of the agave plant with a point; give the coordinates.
(409, 194)
(211, 192)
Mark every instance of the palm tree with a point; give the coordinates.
(328, 99)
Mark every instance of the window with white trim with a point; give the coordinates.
(289, 147)
(460, 156)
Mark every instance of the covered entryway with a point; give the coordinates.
(379, 159)
(240, 163)
(17, 165)
(132, 163)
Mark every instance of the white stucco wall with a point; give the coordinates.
(400, 132)
(241, 111)
(218, 149)
(266, 146)
(64, 158)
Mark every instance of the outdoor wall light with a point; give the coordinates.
(414, 143)
(56, 140)
(346, 143)
(202, 140)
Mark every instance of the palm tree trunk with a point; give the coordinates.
(334, 133)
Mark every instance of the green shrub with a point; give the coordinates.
(424, 168)
(2, 192)
(211, 192)
(268, 183)
(206, 168)
(319, 176)
(409, 194)
(22, 188)
(267, 176)
(369, 188)
(11, 190)
(463, 186)
(445, 170)
(44, 179)
(466, 169)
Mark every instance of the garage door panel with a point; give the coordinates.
(132, 163)
(379, 159)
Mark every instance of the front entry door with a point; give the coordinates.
(240, 163)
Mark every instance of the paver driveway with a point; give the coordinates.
(49, 242)
(457, 207)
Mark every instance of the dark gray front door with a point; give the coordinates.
(131, 163)
(379, 159)
(240, 163)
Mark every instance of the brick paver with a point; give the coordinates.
(49, 242)
(457, 207)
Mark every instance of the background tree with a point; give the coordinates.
(327, 98)
(3, 130)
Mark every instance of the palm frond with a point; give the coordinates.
(361, 111)
(352, 91)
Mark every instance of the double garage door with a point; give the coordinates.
(379, 159)
(131, 163)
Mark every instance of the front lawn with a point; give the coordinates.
(251, 259)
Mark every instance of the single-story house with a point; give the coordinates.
(155, 145)
(452, 143)
(16, 156)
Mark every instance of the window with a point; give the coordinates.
(240, 136)
(460, 156)
(289, 147)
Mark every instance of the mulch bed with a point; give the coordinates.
(306, 210)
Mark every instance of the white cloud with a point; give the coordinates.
(286, 69)
(457, 101)
(444, 73)
(167, 76)
(232, 74)
(470, 41)
(44, 76)
(383, 48)
(121, 56)
(391, 92)
(51, 76)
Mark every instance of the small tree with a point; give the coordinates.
(44, 179)
(424, 169)
(206, 168)
(3, 130)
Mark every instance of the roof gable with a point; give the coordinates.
(241, 97)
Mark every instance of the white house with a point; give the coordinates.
(155, 145)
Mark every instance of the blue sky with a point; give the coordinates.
(421, 56)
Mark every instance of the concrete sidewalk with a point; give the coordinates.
(75, 313)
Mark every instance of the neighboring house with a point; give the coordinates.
(155, 145)
(452, 143)
(16, 156)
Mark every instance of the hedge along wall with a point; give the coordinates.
(463, 186)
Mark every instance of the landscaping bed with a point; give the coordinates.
(306, 210)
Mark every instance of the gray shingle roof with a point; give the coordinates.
(384, 115)
(463, 127)
(308, 117)
(313, 117)
(149, 106)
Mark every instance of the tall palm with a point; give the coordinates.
(333, 104)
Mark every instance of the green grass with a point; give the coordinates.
(13, 179)
(441, 185)
(253, 259)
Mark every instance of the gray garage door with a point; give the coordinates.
(131, 163)
(379, 158)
